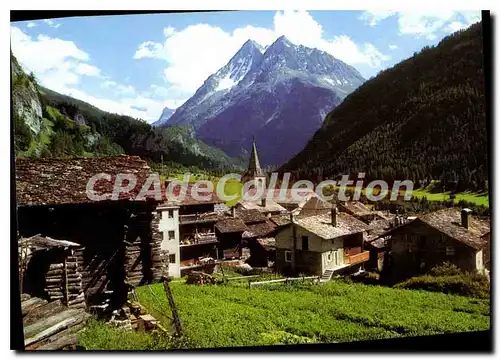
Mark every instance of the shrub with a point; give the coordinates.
(474, 285)
(445, 269)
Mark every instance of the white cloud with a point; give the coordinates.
(168, 31)
(197, 51)
(423, 24)
(86, 69)
(456, 25)
(60, 64)
(119, 89)
(373, 17)
(426, 24)
(51, 23)
(149, 49)
(31, 24)
(393, 47)
(298, 26)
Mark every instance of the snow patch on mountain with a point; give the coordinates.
(226, 83)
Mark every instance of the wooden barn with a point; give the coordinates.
(117, 243)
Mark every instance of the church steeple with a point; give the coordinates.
(254, 168)
(254, 171)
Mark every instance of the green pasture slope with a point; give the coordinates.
(233, 315)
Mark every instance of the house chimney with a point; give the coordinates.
(263, 201)
(291, 217)
(334, 216)
(233, 211)
(465, 217)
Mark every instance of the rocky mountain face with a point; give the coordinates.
(164, 117)
(25, 99)
(280, 96)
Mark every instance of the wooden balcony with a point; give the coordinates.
(199, 238)
(198, 218)
(358, 258)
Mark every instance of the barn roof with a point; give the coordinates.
(188, 199)
(280, 220)
(64, 181)
(250, 215)
(267, 243)
(271, 206)
(45, 242)
(231, 225)
(448, 221)
(321, 225)
(355, 207)
(260, 229)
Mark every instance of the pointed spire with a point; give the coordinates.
(254, 168)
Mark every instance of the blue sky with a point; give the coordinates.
(138, 64)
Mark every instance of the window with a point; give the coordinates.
(305, 243)
(170, 214)
(450, 251)
(171, 235)
(171, 258)
(329, 256)
(288, 256)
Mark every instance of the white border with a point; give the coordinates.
(420, 5)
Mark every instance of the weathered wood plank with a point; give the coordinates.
(31, 304)
(64, 324)
(46, 323)
(42, 312)
(73, 330)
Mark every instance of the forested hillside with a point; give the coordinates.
(48, 124)
(422, 119)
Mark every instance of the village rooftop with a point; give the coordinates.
(202, 190)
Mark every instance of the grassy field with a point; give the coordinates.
(477, 198)
(232, 186)
(233, 315)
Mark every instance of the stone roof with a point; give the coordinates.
(321, 225)
(267, 243)
(64, 181)
(232, 225)
(354, 207)
(448, 221)
(313, 206)
(188, 199)
(250, 216)
(45, 242)
(280, 220)
(260, 229)
(286, 196)
(271, 206)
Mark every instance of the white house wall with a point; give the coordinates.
(165, 225)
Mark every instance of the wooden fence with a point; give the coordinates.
(285, 280)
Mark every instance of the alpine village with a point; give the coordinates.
(128, 274)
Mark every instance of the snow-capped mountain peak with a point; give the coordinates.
(281, 94)
(166, 114)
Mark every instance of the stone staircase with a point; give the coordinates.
(327, 276)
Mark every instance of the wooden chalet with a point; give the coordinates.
(321, 244)
(118, 244)
(448, 235)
